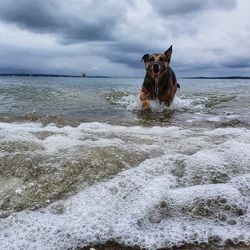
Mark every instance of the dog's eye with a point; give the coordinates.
(161, 59)
(151, 59)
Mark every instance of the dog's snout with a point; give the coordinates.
(156, 67)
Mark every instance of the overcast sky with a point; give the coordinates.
(109, 37)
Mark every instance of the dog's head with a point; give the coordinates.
(157, 64)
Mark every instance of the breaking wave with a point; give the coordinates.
(133, 185)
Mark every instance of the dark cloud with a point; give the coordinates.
(126, 53)
(83, 21)
(238, 62)
(131, 60)
(25, 60)
(185, 7)
(66, 36)
(129, 53)
(40, 16)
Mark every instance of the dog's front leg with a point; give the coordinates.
(144, 99)
(167, 97)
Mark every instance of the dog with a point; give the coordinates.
(160, 81)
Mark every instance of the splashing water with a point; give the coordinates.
(135, 185)
(174, 177)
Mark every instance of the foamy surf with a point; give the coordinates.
(153, 187)
(131, 102)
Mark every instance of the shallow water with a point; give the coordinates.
(81, 164)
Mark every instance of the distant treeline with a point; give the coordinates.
(217, 77)
(52, 75)
(188, 77)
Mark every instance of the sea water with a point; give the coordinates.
(81, 164)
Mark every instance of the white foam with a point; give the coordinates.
(131, 102)
(153, 205)
(180, 103)
(60, 142)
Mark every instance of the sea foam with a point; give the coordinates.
(132, 102)
(189, 186)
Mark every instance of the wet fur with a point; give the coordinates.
(160, 81)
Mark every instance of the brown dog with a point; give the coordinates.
(160, 81)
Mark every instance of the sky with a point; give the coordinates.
(109, 37)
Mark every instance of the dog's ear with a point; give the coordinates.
(168, 53)
(145, 57)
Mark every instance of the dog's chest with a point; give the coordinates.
(157, 90)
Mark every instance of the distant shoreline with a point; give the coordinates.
(216, 77)
(79, 76)
(52, 75)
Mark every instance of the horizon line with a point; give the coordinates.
(103, 76)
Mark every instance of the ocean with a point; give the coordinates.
(82, 165)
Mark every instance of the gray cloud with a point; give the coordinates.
(238, 62)
(26, 60)
(131, 60)
(126, 53)
(83, 21)
(38, 16)
(185, 7)
(110, 36)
